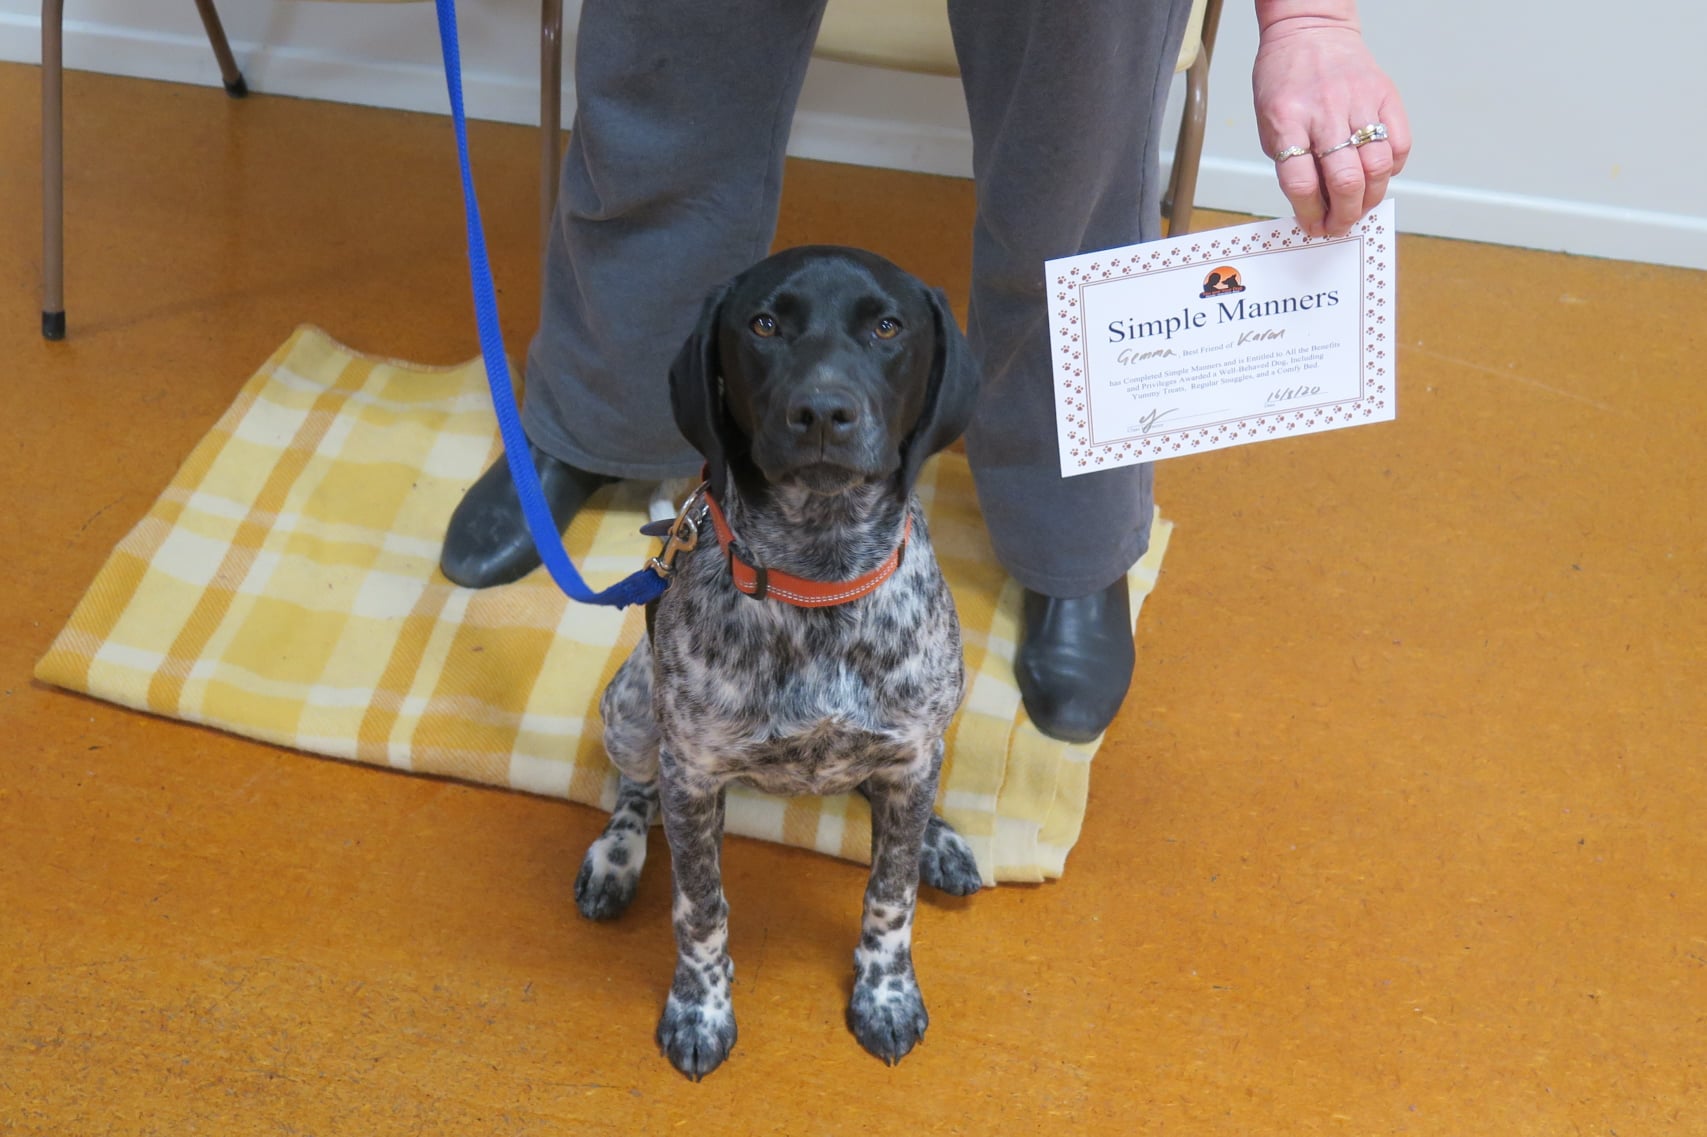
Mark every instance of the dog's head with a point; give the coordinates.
(824, 368)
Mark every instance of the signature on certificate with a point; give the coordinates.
(1150, 421)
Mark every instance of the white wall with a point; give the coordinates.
(1554, 124)
(1543, 124)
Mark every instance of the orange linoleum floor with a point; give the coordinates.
(1400, 832)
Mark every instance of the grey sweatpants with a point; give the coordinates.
(671, 183)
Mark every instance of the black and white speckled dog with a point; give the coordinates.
(816, 384)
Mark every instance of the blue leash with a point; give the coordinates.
(642, 586)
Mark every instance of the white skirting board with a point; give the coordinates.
(847, 114)
(1475, 214)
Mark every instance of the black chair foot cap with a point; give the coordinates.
(237, 88)
(53, 325)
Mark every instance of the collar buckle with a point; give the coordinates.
(683, 536)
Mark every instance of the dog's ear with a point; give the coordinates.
(696, 390)
(950, 397)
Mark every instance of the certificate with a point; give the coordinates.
(1221, 338)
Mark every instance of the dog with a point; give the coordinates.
(815, 384)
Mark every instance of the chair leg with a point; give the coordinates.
(52, 170)
(228, 71)
(1177, 202)
(1170, 193)
(550, 113)
(1211, 27)
(1188, 152)
(53, 146)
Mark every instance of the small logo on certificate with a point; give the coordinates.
(1220, 282)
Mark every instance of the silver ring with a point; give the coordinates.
(1332, 149)
(1290, 152)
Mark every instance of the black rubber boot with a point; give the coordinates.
(1074, 662)
(487, 542)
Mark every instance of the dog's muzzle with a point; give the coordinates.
(829, 438)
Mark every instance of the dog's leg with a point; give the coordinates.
(697, 1027)
(625, 708)
(610, 872)
(946, 862)
(887, 1012)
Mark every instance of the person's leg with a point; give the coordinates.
(1066, 122)
(670, 186)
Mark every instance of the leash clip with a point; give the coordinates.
(683, 536)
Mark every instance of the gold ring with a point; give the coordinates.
(1290, 152)
(1374, 132)
(1362, 136)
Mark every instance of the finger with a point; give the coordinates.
(1302, 185)
(1398, 132)
(1343, 182)
(1377, 160)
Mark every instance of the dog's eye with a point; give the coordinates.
(887, 328)
(763, 325)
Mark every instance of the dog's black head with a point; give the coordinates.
(824, 368)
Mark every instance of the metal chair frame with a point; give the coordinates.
(1177, 203)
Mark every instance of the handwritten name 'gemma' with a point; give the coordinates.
(1131, 328)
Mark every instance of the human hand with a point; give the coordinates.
(1316, 87)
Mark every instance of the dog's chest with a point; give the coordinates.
(810, 702)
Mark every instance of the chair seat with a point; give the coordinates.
(913, 35)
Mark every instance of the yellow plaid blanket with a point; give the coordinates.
(285, 587)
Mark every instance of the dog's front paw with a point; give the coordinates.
(696, 1035)
(888, 1016)
(697, 1028)
(946, 862)
(610, 875)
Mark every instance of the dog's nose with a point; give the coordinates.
(823, 415)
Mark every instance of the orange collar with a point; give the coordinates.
(759, 582)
